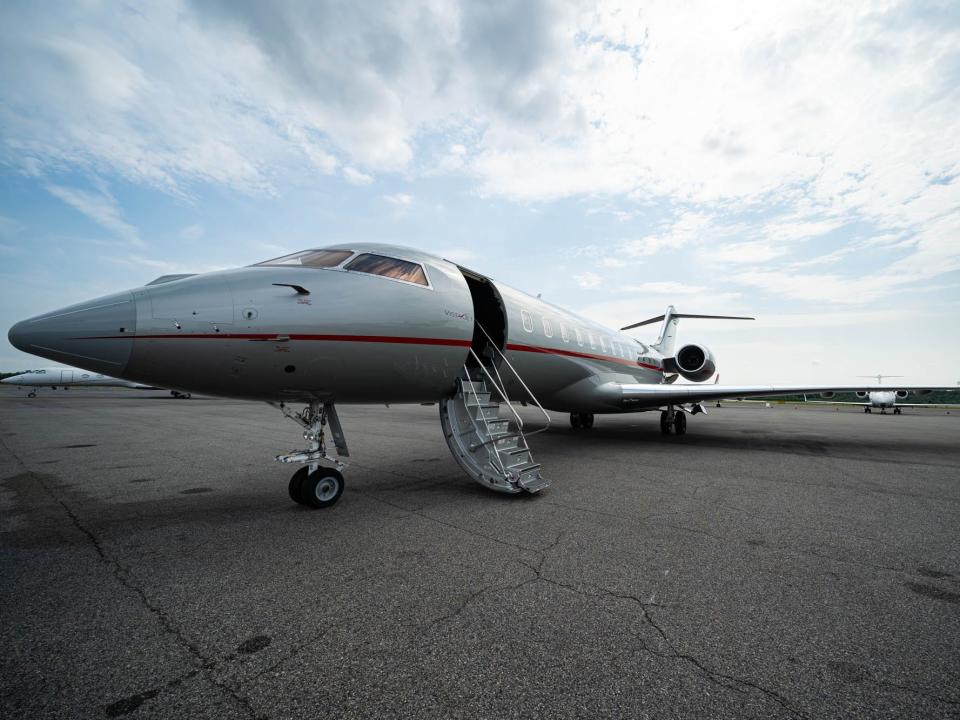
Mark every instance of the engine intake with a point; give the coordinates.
(902, 394)
(862, 394)
(695, 363)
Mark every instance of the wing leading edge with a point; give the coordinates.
(649, 395)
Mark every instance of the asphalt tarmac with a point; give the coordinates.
(771, 563)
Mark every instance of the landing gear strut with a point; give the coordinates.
(315, 485)
(897, 411)
(867, 410)
(581, 420)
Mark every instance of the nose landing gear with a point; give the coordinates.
(315, 485)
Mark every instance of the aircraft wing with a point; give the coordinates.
(650, 395)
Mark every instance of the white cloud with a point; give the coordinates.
(399, 199)
(101, 207)
(662, 288)
(192, 232)
(588, 279)
(687, 229)
(355, 177)
(741, 134)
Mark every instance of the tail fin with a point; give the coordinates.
(668, 331)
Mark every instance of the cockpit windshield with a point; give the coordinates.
(388, 267)
(311, 258)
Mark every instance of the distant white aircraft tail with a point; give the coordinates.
(668, 330)
(879, 377)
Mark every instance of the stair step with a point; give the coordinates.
(530, 478)
(487, 412)
(515, 457)
(479, 398)
(507, 442)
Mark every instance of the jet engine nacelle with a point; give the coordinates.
(695, 363)
(862, 394)
(902, 394)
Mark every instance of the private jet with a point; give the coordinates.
(67, 377)
(370, 323)
(885, 399)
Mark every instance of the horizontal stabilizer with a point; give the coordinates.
(658, 318)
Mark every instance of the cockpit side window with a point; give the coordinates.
(311, 258)
(388, 267)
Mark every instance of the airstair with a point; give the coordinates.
(491, 448)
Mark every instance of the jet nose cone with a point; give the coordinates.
(95, 335)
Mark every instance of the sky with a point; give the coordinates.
(794, 161)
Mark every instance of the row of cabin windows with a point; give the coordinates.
(595, 341)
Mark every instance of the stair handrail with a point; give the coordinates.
(499, 389)
(517, 376)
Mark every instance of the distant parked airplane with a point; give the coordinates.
(67, 377)
(884, 399)
(365, 323)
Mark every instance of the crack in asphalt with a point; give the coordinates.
(123, 577)
(712, 675)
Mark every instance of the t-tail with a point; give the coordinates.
(667, 340)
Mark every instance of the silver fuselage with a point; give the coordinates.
(355, 338)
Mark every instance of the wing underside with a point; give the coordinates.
(641, 395)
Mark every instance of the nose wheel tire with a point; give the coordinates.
(319, 489)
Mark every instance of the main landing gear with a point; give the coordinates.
(673, 421)
(581, 420)
(180, 395)
(315, 485)
(897, 411)
(867, 409)
(32, 393)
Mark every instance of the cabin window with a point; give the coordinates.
(579, 336)
(593, 344)
(547, 327)
(564, 333)
(311, 258)
(388, 267)
(527, 320)
(603, 345)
